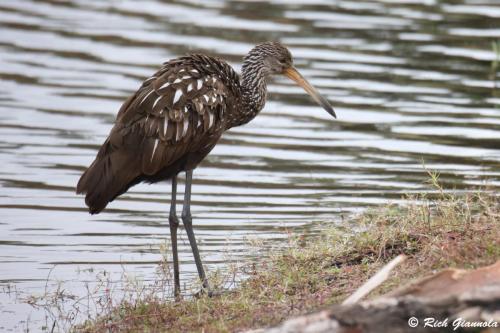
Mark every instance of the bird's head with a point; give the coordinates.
(277, 59)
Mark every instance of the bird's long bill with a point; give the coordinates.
(294, 75)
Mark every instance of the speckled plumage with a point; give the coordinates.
(175, 119)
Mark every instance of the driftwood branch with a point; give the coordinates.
(450, 301)
(374, 281)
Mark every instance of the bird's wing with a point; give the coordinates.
(176, 111)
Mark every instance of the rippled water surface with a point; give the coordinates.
(411, 81)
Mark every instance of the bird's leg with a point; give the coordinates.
(174, 224)
(188, 224)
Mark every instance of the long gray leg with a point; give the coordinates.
(174, 224)
(188, 224)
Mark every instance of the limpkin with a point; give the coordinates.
(174, 120)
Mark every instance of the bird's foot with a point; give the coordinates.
(217, 293)
(212, 293)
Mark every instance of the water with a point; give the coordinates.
(411, 81)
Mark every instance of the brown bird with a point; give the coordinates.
(174, 120)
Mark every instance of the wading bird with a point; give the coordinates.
(174, 120)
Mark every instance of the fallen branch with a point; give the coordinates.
(374, 281)
(452, 300)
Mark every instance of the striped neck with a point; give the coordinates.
(253, 88)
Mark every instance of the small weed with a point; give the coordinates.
(495, 46)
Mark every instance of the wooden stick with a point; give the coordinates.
(374, 281)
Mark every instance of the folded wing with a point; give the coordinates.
(175, 118)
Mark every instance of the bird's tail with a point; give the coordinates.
(110, 175)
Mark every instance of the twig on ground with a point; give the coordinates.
(374, 281)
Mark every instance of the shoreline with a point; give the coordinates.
(435, 231)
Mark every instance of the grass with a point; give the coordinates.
(435, 230)
(495, 47)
